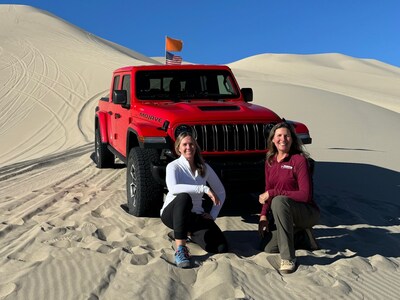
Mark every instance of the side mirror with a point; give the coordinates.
(120, 97)
(247, 94)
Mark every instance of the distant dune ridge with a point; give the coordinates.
(64, 235)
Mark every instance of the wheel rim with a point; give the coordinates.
(133, 185)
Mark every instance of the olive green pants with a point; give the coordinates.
(288, 216)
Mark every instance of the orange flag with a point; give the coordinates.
(172, 44)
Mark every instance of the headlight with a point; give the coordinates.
(185, 128)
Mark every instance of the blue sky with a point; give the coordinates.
(223, 31)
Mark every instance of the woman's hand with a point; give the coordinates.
(262, 225)
(214, 198)
(263, 197)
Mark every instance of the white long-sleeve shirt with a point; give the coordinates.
(180, 179)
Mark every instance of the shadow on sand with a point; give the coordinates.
(364, 198)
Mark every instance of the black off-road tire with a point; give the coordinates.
(104, 157)
(144, 194)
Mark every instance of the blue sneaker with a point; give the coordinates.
(182, 257)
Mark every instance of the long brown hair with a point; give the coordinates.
(296, 147)
(198, 159)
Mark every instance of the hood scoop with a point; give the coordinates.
(219, 108)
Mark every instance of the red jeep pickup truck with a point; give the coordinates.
(148, 106)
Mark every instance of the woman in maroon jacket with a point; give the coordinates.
(288, 194)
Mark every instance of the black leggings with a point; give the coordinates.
(204, 232)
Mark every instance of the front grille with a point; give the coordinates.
(232, 137)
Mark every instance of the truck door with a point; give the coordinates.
(120, 118)
(111, 111)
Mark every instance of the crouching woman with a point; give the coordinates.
(288, 195)
(188, 178)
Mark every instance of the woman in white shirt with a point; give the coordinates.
(188, 178)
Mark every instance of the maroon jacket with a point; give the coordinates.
(290, 177)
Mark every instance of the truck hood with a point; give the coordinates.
(203, 112)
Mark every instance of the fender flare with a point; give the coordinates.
(102, 124)
(136, 133)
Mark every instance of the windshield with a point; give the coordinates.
(185, 84)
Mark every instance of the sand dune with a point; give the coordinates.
(51, 82)
(64, 234)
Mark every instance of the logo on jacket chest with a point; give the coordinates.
(286, 167)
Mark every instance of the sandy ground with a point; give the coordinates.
(64, 235)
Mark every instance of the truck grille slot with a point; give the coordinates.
(232, 137)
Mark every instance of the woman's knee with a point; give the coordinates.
(184, 201)
(183, 197)
(280, 203)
